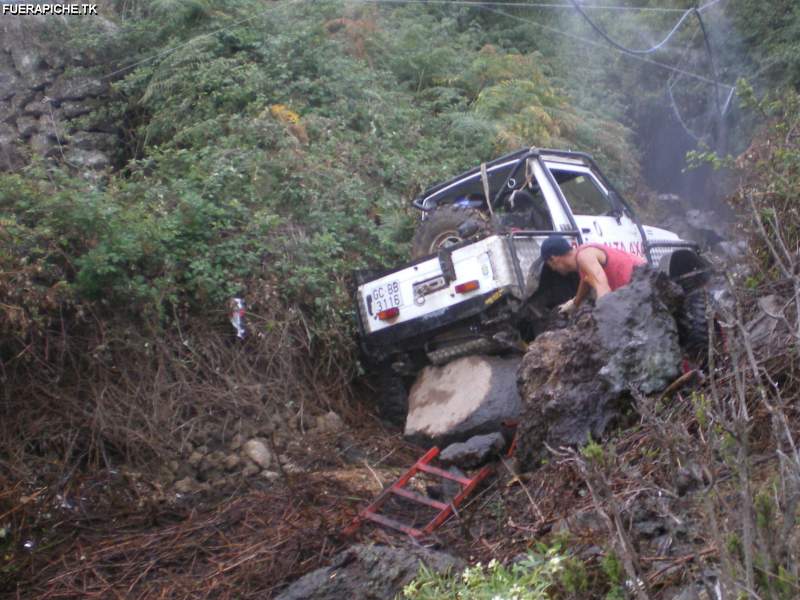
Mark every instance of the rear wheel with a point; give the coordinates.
(440, 229)
(392, 396)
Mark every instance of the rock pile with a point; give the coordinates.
(215, 459)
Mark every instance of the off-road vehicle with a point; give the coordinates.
(476, 283)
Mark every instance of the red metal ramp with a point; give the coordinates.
(398, 488)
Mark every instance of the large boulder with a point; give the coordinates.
(368, 573)
(574, 382)
(469, 396)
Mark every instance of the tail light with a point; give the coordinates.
(467, 286)
(389, 313)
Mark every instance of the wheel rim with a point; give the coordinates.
(445, 239)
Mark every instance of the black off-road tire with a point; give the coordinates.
(693, 324)
(440, 228)
(391, 396)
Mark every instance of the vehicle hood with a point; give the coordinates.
(656, 234)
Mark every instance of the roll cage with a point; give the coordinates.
(508, 172)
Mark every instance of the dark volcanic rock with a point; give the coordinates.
(573, 382)
(474, 452)
(368, 573)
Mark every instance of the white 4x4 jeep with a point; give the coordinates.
(477, 284)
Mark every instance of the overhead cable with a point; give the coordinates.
(531, 5)
(622, 48)
(589, 42)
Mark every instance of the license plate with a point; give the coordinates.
(385, 296)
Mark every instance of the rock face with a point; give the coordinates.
(368, 573)
(573, 382)
(469, 396)
(39, 100)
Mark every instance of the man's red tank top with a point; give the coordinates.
(619, 265)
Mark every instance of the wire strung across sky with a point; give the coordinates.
(541, 5)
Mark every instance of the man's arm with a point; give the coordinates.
(592, 273)
(580, 295)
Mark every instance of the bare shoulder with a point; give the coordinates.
(591, 256)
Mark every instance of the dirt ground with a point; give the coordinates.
(118, 535)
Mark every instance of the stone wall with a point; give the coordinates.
(41, 98)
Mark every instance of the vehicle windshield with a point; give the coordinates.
(582, 192)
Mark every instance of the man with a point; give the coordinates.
(601, 269)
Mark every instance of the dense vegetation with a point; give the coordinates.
(268, 149)
(271, 149)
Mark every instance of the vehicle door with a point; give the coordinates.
(600, 218)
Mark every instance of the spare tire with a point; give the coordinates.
(440, 228)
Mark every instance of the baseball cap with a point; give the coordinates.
(555, 245)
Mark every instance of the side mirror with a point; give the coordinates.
(618, 207)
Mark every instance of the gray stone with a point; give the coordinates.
(75, 88)
(250, 470)
(369, 573)
(44, 145)
(585, 522)
(72, 109)
(213, 462)
(732, 251)
(292, 468)
(37, 108)
(7, 114)
(232, 461)
(9, 84)
(185, 486)
(27, 126)
(92, 140)
(258, 452)
(476, 451)
(638, 336)
(21, 99)
(469, 396)
(11, 156)
(769, 330)
(236, 441)
(574, 382)
(86, 159)
(50, 125)
(330, 422)
(27, 58)
(270, 475)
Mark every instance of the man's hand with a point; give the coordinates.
(568, 307)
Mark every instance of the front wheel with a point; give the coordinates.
(440, 229)
(693, 323)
